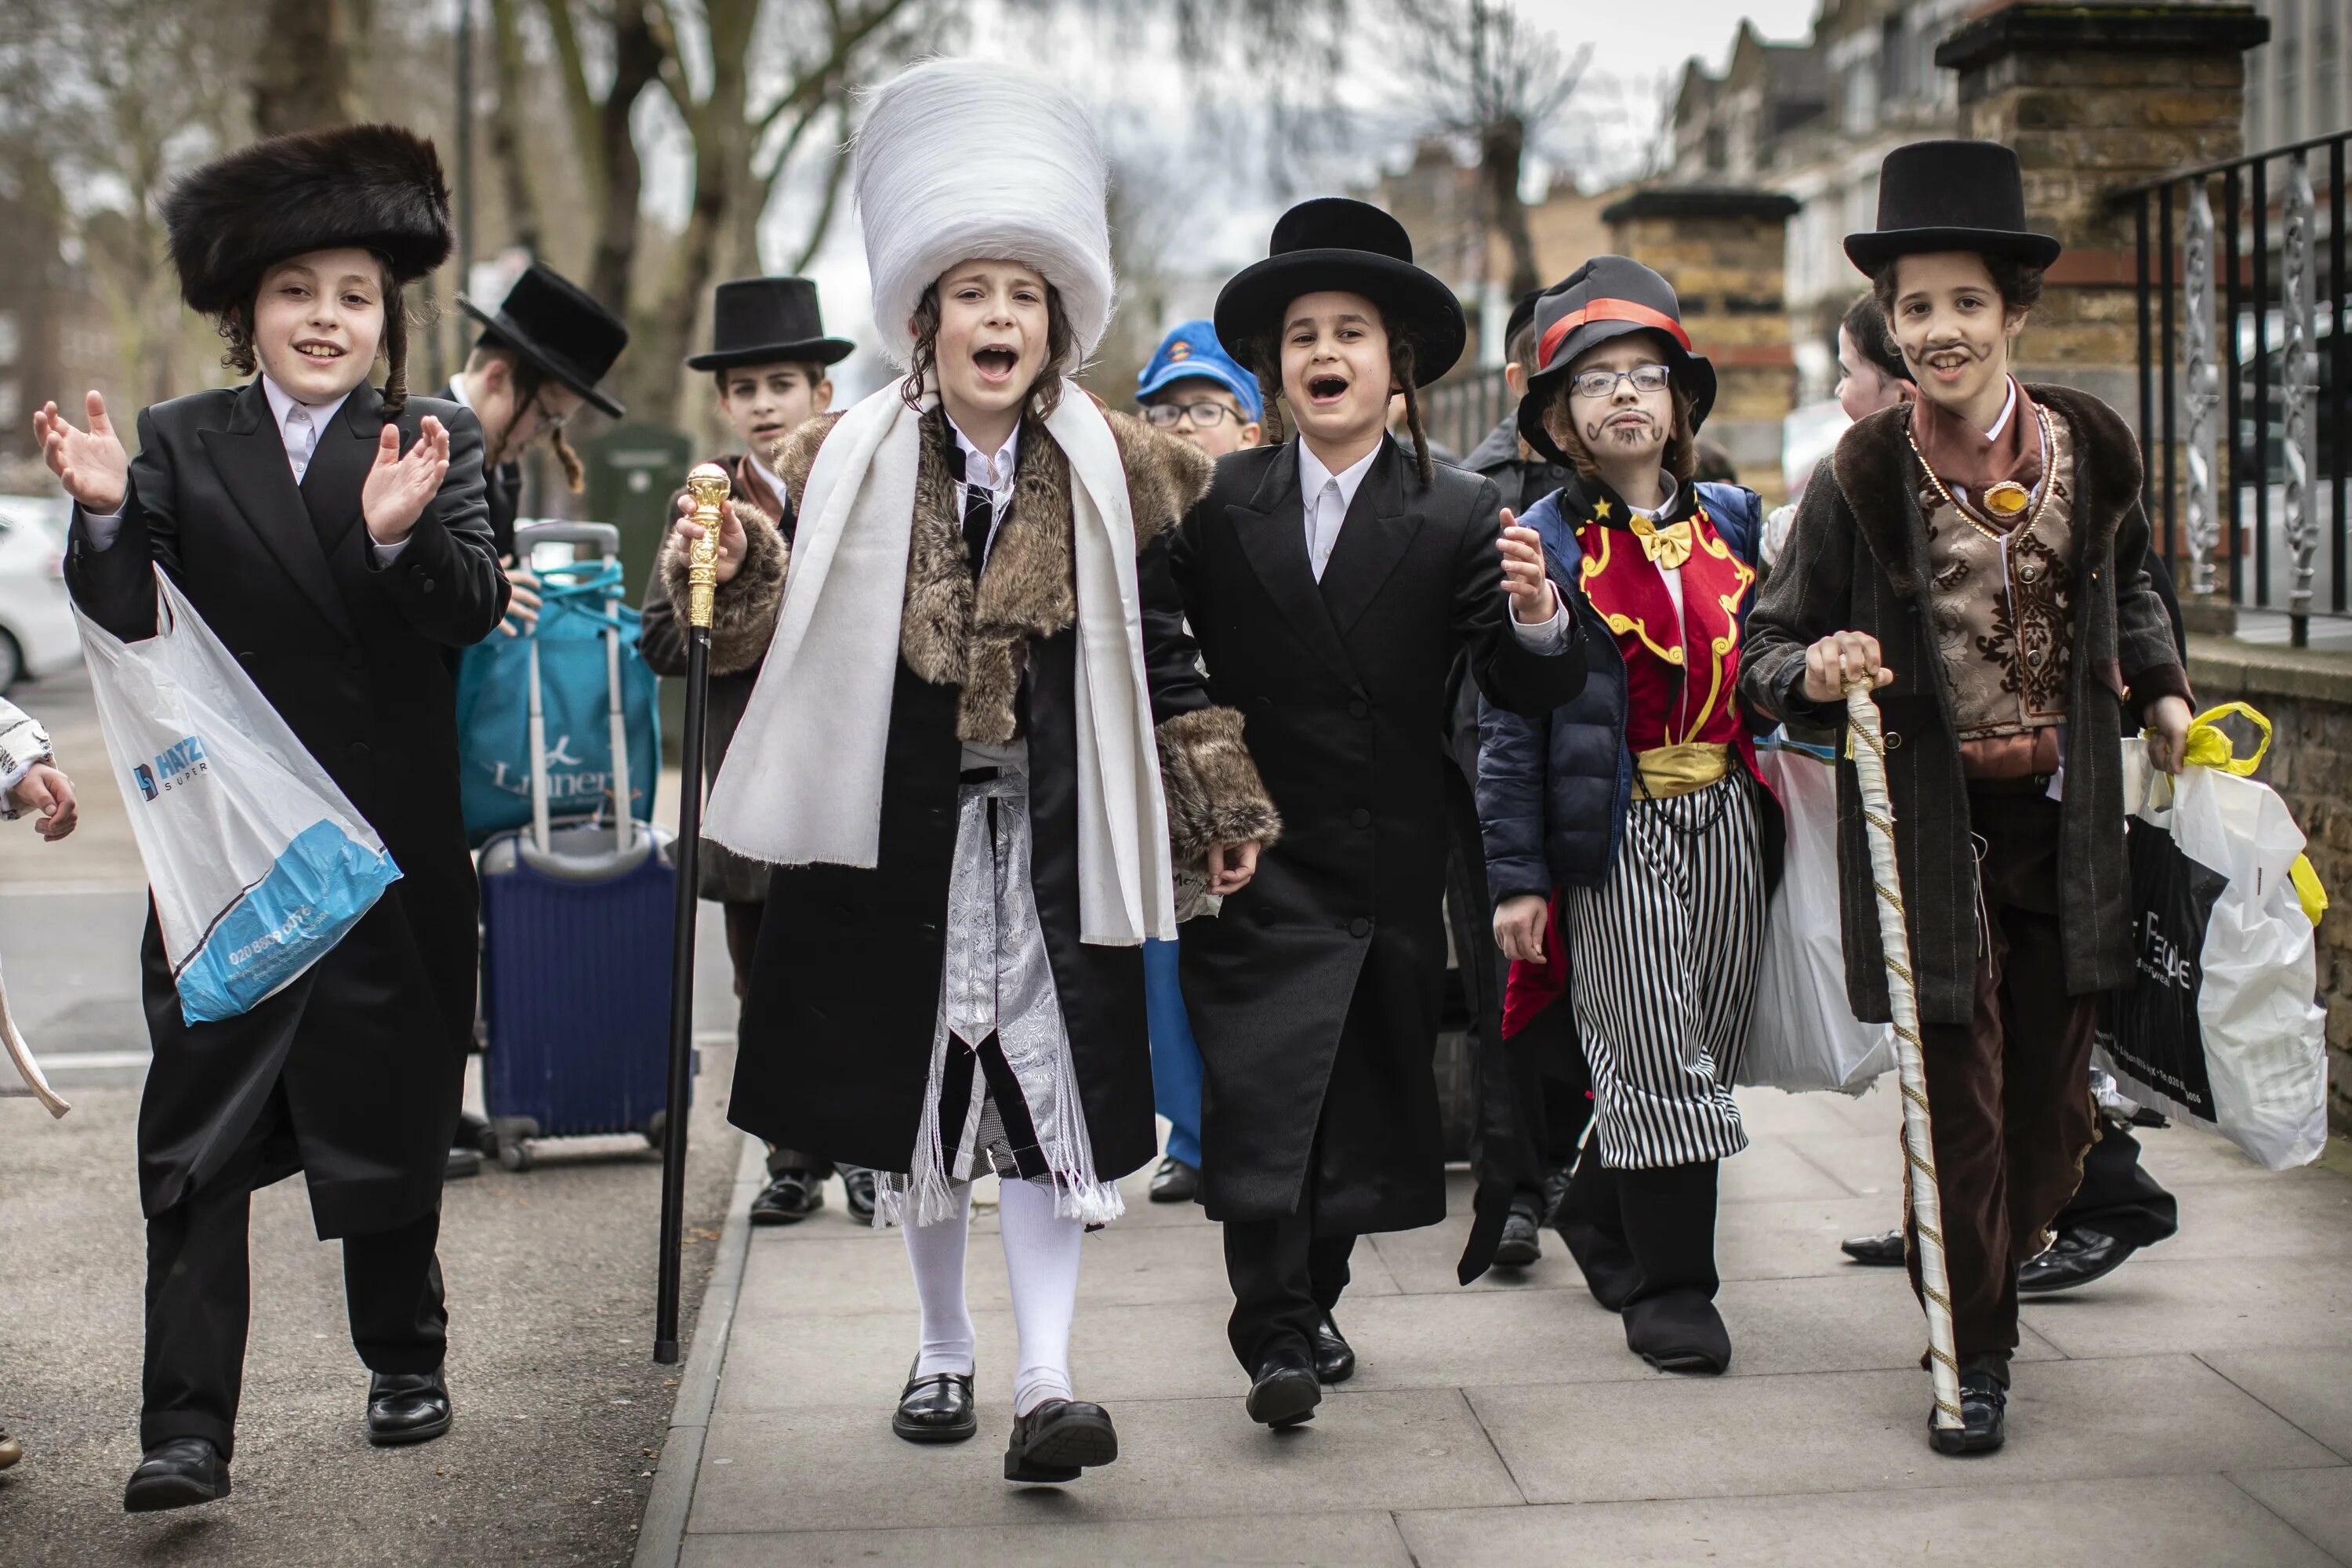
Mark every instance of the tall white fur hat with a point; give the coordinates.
(961, 160)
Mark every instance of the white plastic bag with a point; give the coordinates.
(258, 863)
(2221, 1027)
(1803, 1035)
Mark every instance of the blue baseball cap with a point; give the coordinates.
(1192, 352)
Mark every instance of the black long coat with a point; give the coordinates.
(501, 492)
(1316, 994)
(369, 1046)
(843, 994)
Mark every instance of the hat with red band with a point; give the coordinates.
(1607, 297)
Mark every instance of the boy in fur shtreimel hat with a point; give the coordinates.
(335, 536)
(979, 755)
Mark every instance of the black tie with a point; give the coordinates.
(978, 514)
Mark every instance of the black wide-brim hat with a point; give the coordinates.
(1334, 243)
(559, 328)
(1950, 196)
(768, 320)
(1608, 297)
(373, 187)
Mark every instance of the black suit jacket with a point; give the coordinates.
(501, 489)
(1316, 994)
(370, 1042)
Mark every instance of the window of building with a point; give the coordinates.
(2287, 69)
(2327, 67)
(1894, 60)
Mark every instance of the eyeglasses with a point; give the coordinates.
(550, 421)
(1600, 383)
(1205, 415)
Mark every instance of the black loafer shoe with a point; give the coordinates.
(1175, 1182)
(1679, 1330)
(11, 1450)
(463, 1163)
(1522, 1240)
(1884, 1250)
(1984, 1425)
(790, 1198)
(937, 1409)
(2076, 1258)
(406, 1407)
(1285, 1392)
(1058, 1439)
(1335, 1358)
(858, 1191)
(180, 1472)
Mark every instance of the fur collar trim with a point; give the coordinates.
(1873, 464)
(951, 636)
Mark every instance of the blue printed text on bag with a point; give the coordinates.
(176, 766)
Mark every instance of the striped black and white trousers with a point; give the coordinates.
(1662, 971)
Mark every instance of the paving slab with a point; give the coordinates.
(2198, 1522)
(2155, 1304)
(2312, 1388)
(1245, 1540)
(1739, 1436)
(1187, 1458)
(2317, 1503)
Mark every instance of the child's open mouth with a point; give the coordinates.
(995, 364)
(1948, 362)
(1323, 390)
(319, 350)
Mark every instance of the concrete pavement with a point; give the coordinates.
(2195, 1408)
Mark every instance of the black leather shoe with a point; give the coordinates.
(1984, 1404)
(11, 1450)
(463, 1163)
(1285, 1392)
(1884, 1250)
(937, 1409)
(1335, 1358)
(2076, 1258)
(788, 1199)
(179, 1472)
(1058, 1439)
(1175, 1182)
(1522, 1239)
(858, 1191)
(406, 1407)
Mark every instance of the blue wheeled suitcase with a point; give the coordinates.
(576, 952)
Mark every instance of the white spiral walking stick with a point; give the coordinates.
(1869, 752)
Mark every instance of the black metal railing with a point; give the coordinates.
(1461, 409)
(2258, 341)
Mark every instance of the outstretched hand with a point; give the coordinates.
(91, 463)
(1532, 599)
(402, 485)
(46, 790)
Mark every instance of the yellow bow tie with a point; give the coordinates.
(1667, 546)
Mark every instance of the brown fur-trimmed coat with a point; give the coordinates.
(837, 1026)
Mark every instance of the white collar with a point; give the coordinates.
(1665, 501)
(1313, 476)
(770, 478)
(2007, 409)
(997, 471)
(282, 402)
(457, 392)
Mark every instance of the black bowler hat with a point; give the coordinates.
(1950, 196)
(553, 322)
(1607, 297)
(768, 320)
(1335, 243)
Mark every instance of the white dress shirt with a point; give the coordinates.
(300, 436)
(1327, 496)
(991, 474)
(1667, 491)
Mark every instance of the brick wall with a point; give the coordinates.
(2307, 697)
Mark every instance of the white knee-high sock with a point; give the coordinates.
(1041, 1254)
(936, 1254)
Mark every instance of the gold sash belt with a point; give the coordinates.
(1685, 769)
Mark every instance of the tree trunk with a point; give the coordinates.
(302, 71)
(1502, 145)
(637, 64)
(506, 138)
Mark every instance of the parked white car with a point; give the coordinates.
(37, 637)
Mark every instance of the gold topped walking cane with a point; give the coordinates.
(707, 483)
(1868, 749)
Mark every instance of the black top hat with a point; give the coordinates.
(550, 321)
(768, 320)
(1950, 196)
(1332, 242)
(378, 187)
(1608, 297)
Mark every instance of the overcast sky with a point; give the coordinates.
(1212, 206)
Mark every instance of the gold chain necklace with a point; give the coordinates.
(2042, 420)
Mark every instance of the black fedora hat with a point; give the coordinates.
(768, 320)
(1335, 243)
(1608, 297)
(1950, 196)
(553, 322)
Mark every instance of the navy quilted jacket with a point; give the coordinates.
(1552, 791)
